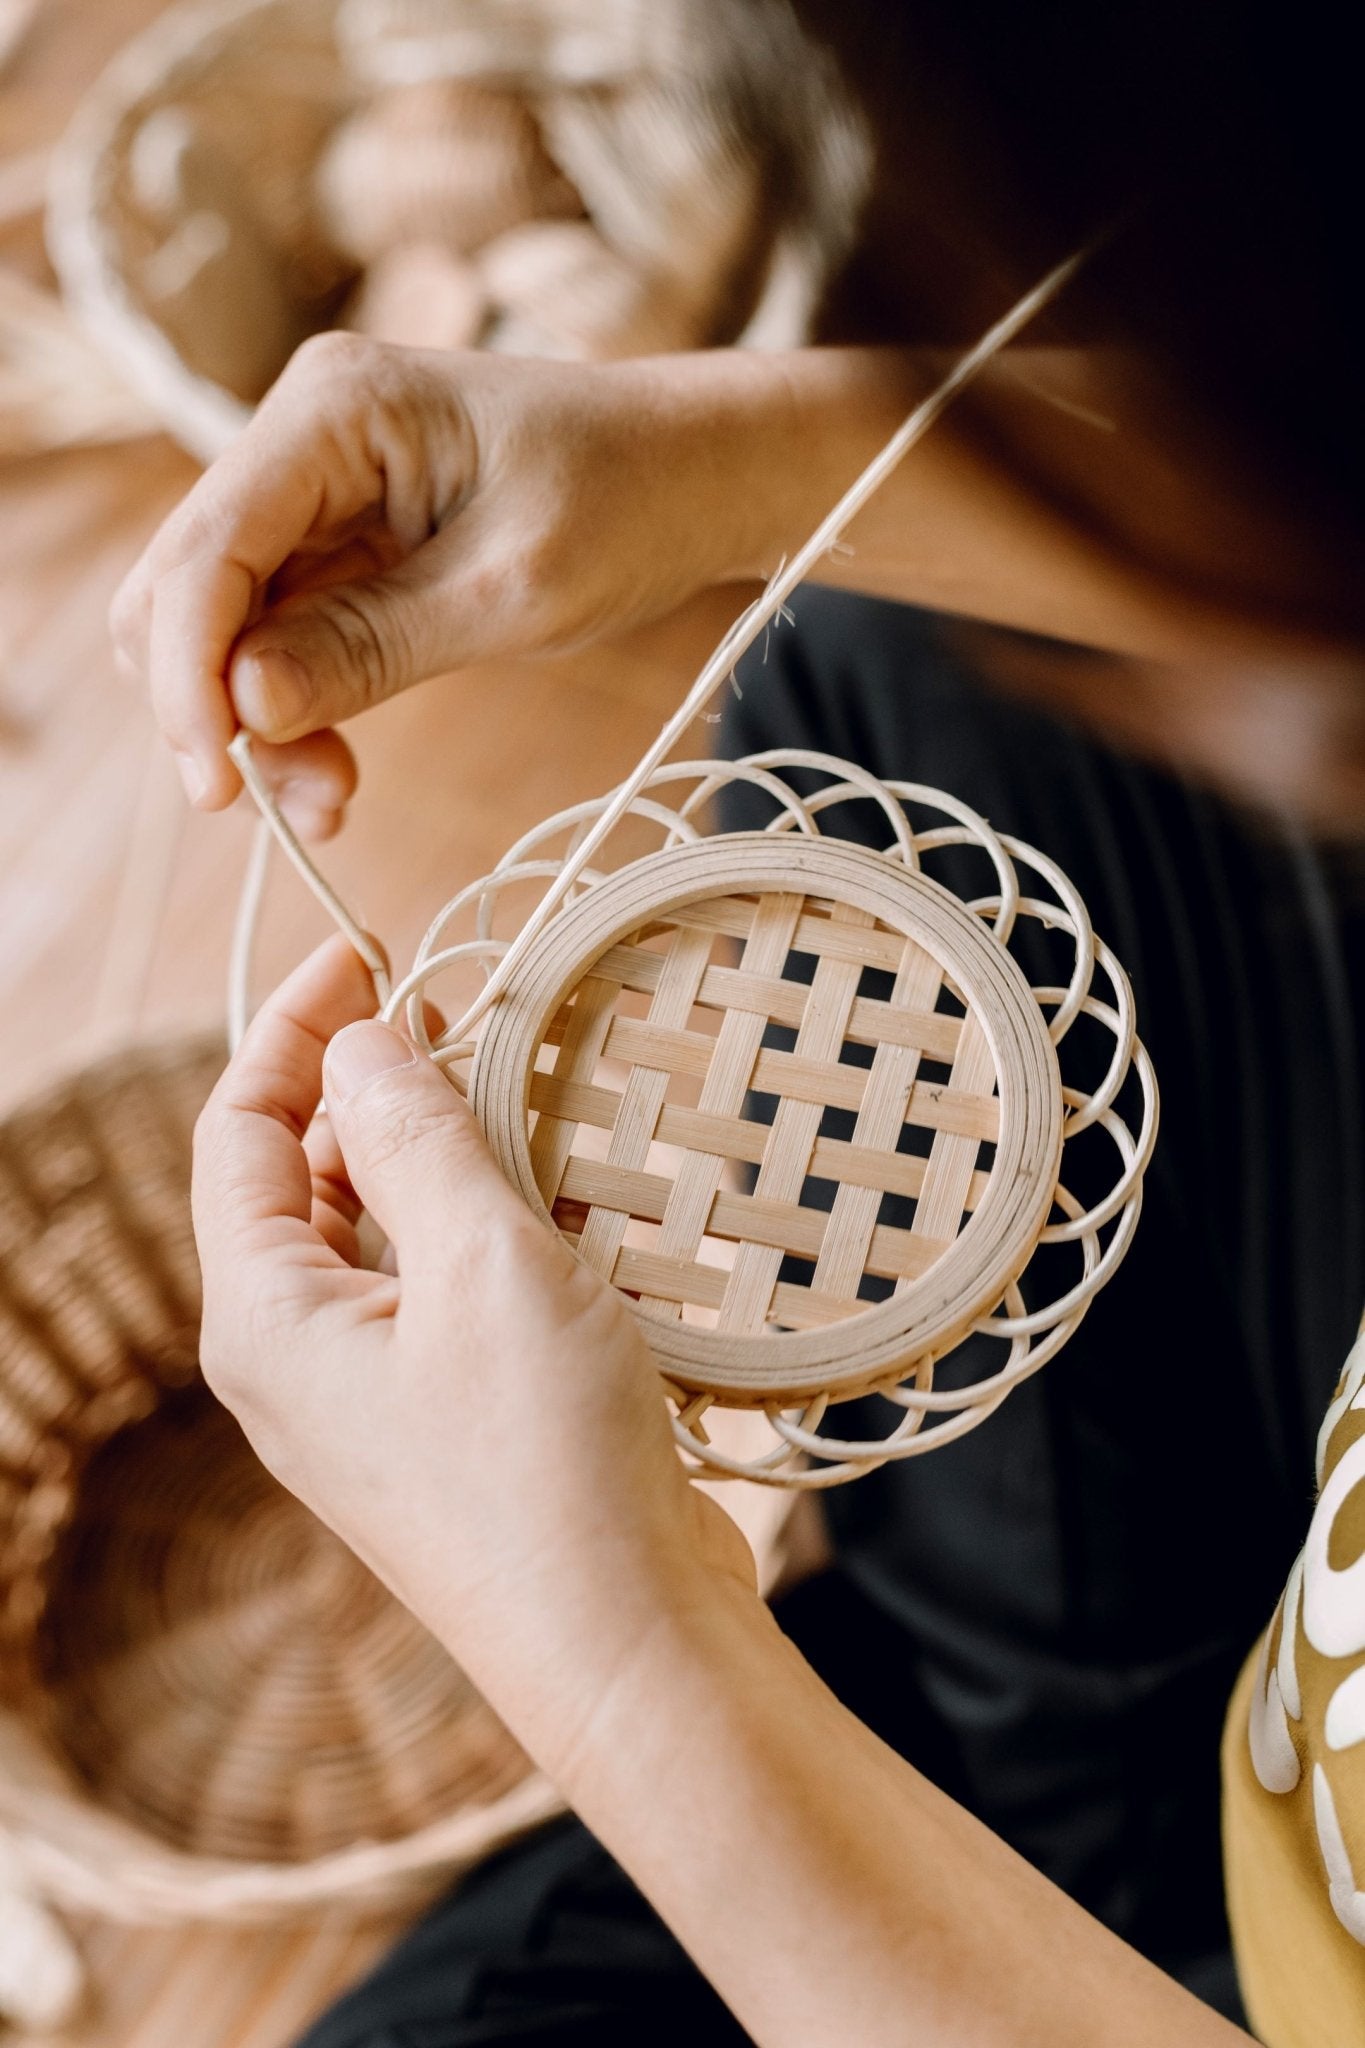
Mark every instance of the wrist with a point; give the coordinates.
(764, 443)
(571, 1660)
(660, 1687)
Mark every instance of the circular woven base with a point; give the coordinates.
(892, 1006)
(220, 1669)
(828, 1113)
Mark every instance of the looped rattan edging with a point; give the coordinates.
(675, 803)
(576, 852)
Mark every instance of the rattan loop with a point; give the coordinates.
(792, 1346)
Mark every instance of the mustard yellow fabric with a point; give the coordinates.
(1294, 1769)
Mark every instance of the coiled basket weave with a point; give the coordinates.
(208, 1708)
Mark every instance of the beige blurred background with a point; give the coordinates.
(115, 902)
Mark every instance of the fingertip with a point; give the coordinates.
(211, 782)
(332, 988)
(312, 779)
(362, 1053)
(272, 692)
(191, 775)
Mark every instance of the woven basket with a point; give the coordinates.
(711, 147)
(208, 1708)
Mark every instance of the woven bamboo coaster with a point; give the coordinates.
(796, 1096)
(799, 1101)
(709, 934)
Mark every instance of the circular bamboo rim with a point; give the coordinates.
(555, 969)
(857, 914)
(1104, 1093)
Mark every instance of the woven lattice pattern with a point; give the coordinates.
(770, 999)
(774, 1113)
(673, 1020)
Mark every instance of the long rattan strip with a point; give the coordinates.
(845, 1253)
(727, 1082)
(643, 1096)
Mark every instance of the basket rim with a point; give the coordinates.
(88, 1054)
(201, 414)
(858, 1354)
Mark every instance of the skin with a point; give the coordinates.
(393, 514)
(485, 1428)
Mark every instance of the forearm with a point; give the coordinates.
(485, 1429)
(774, 440)
(829, 1892)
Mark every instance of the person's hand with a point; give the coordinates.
(392, 513)
(486, 1429)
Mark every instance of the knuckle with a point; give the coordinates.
(517, 1251)
(128, 611)
(486, 583)
(421, 1137)
(550, 553)
(515, 1245)
(173, 706)
(527, 576)
(246, 1334)
(333, 354)
(592, 1307)
(225, 1351)
(367, 634)
(230, 1379)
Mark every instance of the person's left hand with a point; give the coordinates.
(486, 1429)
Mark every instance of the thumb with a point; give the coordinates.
(412, 1146)
(323, 655)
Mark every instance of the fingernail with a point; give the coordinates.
(361, 1054)
(193, 777)
(271, 690)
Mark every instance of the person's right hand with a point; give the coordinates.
(393, 513)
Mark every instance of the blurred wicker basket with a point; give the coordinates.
(208, 1708)
(713, 150)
